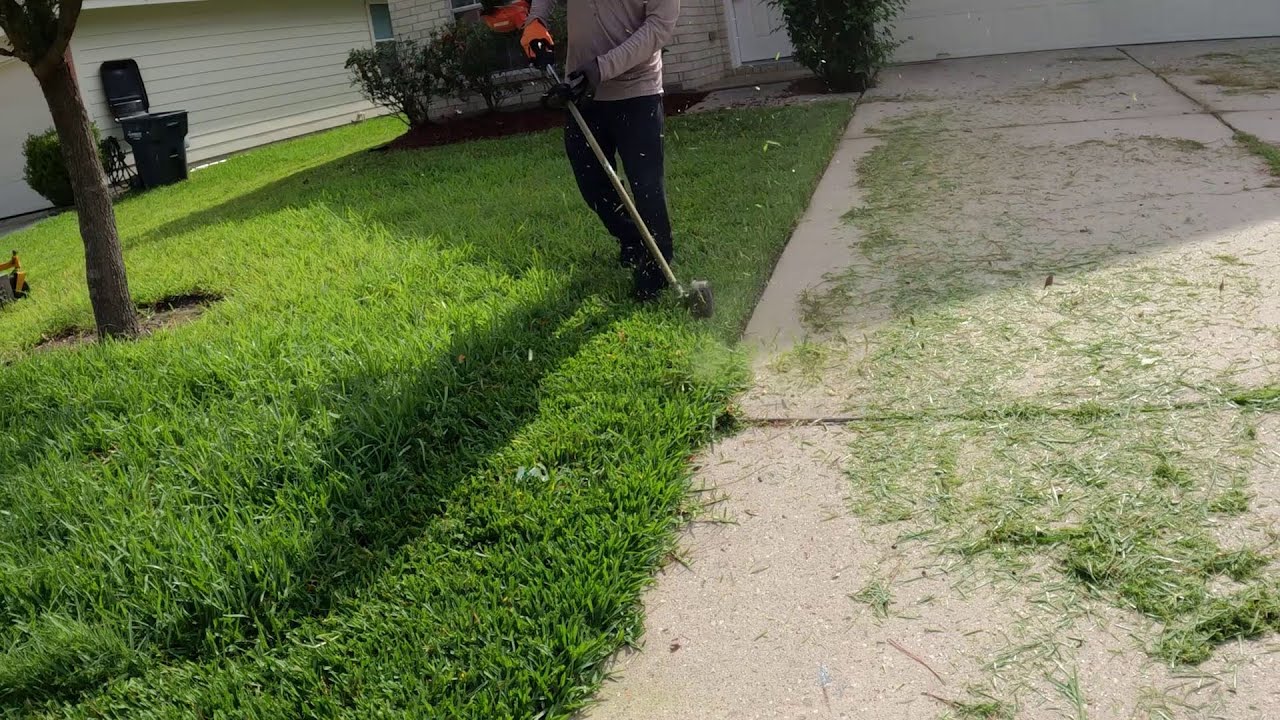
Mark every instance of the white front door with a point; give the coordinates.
(762, 34)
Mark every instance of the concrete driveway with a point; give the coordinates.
(1006, 170)
(1013, 447)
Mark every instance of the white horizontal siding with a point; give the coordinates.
(247, 72)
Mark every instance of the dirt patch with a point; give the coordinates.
(183, 302)
(167, 312)
(65, 337)
(505, 123)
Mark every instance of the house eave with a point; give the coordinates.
(98, 4)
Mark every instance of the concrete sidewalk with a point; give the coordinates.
(997, 243)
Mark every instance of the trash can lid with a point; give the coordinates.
(123, 87)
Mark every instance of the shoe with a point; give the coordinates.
(629, 257)
(648, 283)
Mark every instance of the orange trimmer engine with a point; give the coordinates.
(506, 17)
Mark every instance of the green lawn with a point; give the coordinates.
(316, 499)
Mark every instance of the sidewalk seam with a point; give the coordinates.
(1199, 103)
(1051, 123)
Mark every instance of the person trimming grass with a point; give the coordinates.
(615, 58)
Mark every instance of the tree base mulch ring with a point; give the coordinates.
(167, 312)
(504, 123)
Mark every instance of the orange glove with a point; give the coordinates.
(534, 31)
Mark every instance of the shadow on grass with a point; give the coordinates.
(394, 460)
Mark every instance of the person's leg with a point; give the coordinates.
(593, 183)
(638, 131)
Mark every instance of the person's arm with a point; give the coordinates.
(541, 10)
(655, 32)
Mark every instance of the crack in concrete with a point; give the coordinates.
(1051, 123)
(1208, 110)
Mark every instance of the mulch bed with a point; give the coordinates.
(808, 86)
(515, 122)
(167, 312)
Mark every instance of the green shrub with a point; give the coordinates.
(471, 59)
(844, 42)
(558, 23)
(400, 75)
(45, 171)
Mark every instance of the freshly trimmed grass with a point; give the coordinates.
(1264, 397)
(1121, 503)
(1048, 435)
(420, 462)
(877, 595)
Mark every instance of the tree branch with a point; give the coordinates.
(11, 14)
(68, 15)
(11, 9)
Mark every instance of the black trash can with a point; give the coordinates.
(159, 142)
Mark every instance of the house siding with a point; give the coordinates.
(247, 72)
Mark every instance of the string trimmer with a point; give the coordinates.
(697, 297)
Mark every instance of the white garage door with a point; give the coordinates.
(22, 112)
(956, 28)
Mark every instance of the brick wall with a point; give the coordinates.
(698, 54)
(413, 19)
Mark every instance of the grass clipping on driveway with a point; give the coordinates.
(1140, 506)
(1078, 425)
(420, 461)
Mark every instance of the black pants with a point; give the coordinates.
(630, 130)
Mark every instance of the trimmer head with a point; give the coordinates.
(700, 301)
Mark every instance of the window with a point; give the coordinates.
(380, 22)
(465, 6)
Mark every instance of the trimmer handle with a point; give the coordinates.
(544, 56)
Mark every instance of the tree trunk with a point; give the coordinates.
(113, 309)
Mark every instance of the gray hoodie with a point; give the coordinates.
(626, 36)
